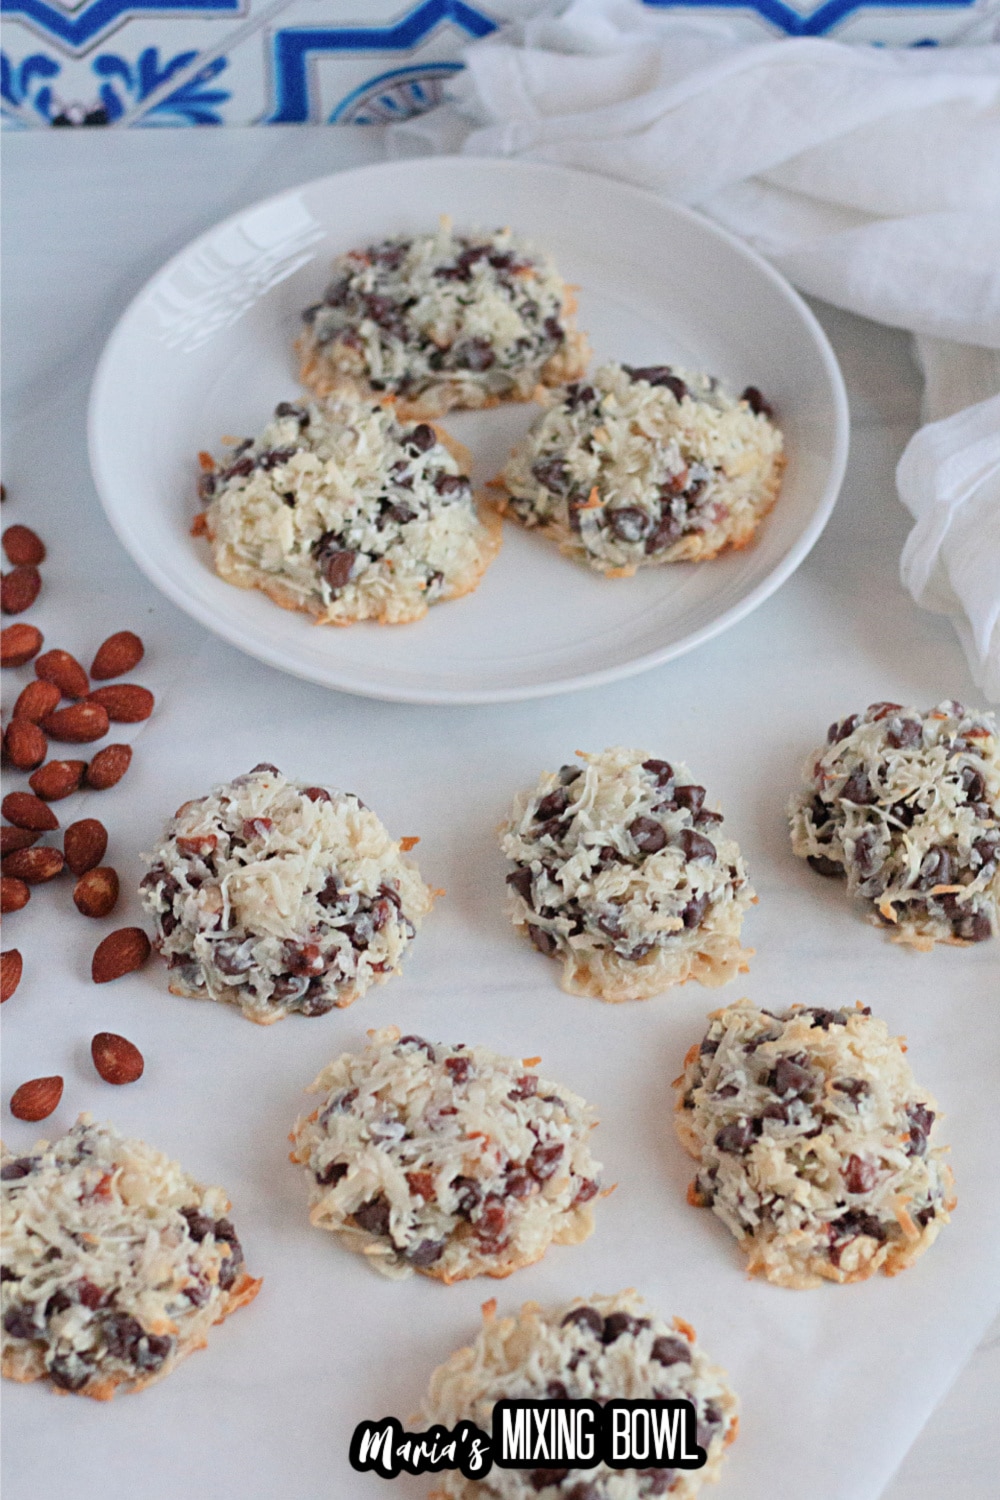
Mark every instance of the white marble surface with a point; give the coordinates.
(88, 218)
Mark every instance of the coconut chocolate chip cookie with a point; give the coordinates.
(906, 805)
(276, 897)
(443, 320)
(813, 1143)
(116, 1263)
(624, 876)
(344, 512)
(450, 1160)
(638, 467)
(594, 1349)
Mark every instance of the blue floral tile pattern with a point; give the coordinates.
(343, 62)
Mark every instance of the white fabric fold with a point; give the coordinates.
(869, 176)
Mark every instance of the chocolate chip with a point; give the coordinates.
(552, 805)
(708, 1048)
(661, 770)
(426, 1252)
(475, 355)
(973, 926)
(585, 1317)
(671, 1351)
(856, 1089)
(628, 523)
(373, 1216)
(554, 329)
(824, 1019)
(904, 733)
(418, 1041)
(331, 1174)
(540, 1479)
(695, 845)
(824, 866)
(239, 470)
(12, 1170)
(935, 868)
(920, 1120)
(468, 1192)
(233, 957)
(658, 375)
(790, 1079)
(543, 1162)
(690, 796)
(556, 1391)
(544, 941)
(695, 910)
(336, 566)
(756, 402)
(648, 835)
(858, 789)
(973, 784)
(854, 1222)
(774, 1112)
(292, 409)
(19, 1322)
(421, 438)
(736, 1138)
(838, 732)
(70, 1372)
(619, 1323)
(520, 880)
(275, 456)
(663, 535)
(578, 395)
(552, 474)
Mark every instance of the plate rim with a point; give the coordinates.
(206, 615)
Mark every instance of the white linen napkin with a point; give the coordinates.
(869, 177)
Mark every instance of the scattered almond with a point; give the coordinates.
(19, 590)
(121, 952)
(38, 698)
(116, 1059)
(119, 654)
(37, 1099)
(28, 811)
(109, 766)
(57, 779)
(17, 838)
(25, 746)
(85, 844)
(22, 545)
(18, 644)
(126, 702)
(13, 894)
(78, 724)
(65, 671)
(33, 866)
(11, 966)
(96, 893)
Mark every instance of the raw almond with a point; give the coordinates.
(24, 744)
(37, 1099)
(84, 844)
(38, 698)
(65, 671)
(119, 953)
(109, 766)
(22, 545)
(57, 779)
(96, 892)
(11, 965)
(33, 866)
(18, 644)
(17, 838)
(126, 702)
(28, 811)
(13, 894)
(119, 654)
(78, 724)
(116, 1059)
(19, 590)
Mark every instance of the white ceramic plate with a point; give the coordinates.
(206, 350)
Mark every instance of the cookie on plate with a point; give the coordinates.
(637, 467)
(116, 1263)
(277, 896)
(345, 513)
(906, 805)
(443, 320)
(595, 1349)
(624, 876)
(450, 1160)
(813, 1143)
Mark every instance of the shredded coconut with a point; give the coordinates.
(637, 467)
(812, 1142)
(906, 804)
(450, 1160)
(442, 320)
(623, 874)
(593, 1349)
(115, 1262)
(345, 513)
(276, 896)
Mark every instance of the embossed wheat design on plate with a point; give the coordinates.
(220, 279)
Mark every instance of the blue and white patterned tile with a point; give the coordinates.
(360, 62)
